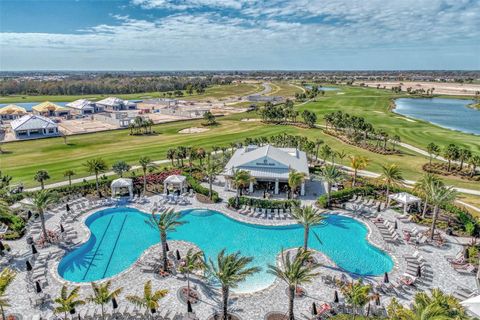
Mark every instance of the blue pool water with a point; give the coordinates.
(28, 105)
(448, 113)
(120, 235)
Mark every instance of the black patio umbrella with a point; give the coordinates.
(29, 214)
(114, 303)
(2, 247)
(62, 229)
(189, 307)
(335, 297)
(153, 310)
(385, 278)
(378, 208)
(395, 226)
(67, 207)
(377, 300)
(166, 245)
(419, 271)
(34, 250)
(73, 311)
(38, 288)
(29, 265)
(168, 192)
(314, 309)
(178, 255)
(466, 254)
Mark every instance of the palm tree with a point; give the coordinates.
(68, 301)
(230, 270)
(211, 169)
(193, 261)
(326, 152)
(40, 202)
(41, 176)
(240, 179)
(149, 300)
(422, 187)
(181, 153)
(6, 277)
(96, 166)
(464, 155)
(146, 164)
(295, 180)
(69, 173)
(391, 176)
(474, 162)
(357, 163)
(307, 216)
(295, 272)
(433, 151)
(171, 154)
(439, 195)
(330, 174)
(102, 294)
(318, 143)
(164, 222)
(356, 294)
(120, 167)
(450, 153)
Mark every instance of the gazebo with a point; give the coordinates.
(405, 198)
(175, 181)
(122, 183)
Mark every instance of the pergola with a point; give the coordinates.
(122, 183)
(405, 198)
(175, 181)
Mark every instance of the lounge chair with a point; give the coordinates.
(466, 269)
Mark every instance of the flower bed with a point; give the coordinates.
(263, 203)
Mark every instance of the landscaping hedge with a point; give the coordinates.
(16, 226)
(198, 188)
(263, 203)
(344, 195)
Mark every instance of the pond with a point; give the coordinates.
(454, 114)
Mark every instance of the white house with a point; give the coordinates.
(116, 104)
(84, 106)
(268, 165)
(34, 125)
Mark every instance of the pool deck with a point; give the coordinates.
(249, 306)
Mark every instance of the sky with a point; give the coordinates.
(239, 35)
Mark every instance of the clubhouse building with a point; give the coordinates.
(270, 166)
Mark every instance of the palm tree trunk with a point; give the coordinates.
(65, 313)
(448, 168)
(424, 212)
(163, 238)
(3, 312)
(103, 312)
(144, 181)
(305, 238)
(291, 298)
(96, 184)
(188, 286)
(354, 177)
(225, 302)
(42, 185)
(210, 191)
(388, 193)
(70, 181)
(329, 189)
(42, 220)
(173, 164)
(434, 221)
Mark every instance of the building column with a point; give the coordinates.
(302, 189)
(276, 186)
(225, 187)
(250, 189)
(28, 133)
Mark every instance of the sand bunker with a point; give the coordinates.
(193, 130)
(251, 120)
(406, 119)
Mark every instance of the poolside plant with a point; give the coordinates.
(41, 201)
(241, 179)
(102, 294)
(295, 180)
(230, 270)
(356, 294)
(198, 188)
(307, 216)
(41, 176)
(146, 164)
(263, 203)
(69, 174)
(331, 174)
(439, 195)
(295, 272)
(391, 177)
(357, 163)
(6, 277)
(120, 167)
(193, 261)
(150, 299)
(68, 301)
(422, 188)
(211, 168)
(166, 221)
(96, 166)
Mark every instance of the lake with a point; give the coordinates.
(447, 113)
(28, 105)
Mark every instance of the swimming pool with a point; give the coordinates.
(120, 235)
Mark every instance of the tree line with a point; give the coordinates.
(285, 113)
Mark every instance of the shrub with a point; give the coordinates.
(344, 195)
(263, 203)
(470, 228)
(16, 226)
(198, 188)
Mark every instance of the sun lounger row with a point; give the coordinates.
(262, 213)
(387, 230)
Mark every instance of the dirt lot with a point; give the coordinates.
(459, 89)
(84, 126)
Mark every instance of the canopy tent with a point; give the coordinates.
(473, 305)
(122, 183)
(405, 198)
(175, 181)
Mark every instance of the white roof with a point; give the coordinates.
(268, 161)
(81, 104)
(404, 197)
(32, 122)
(122, 183)
(472, 304)
(176, 178)
(111, 101)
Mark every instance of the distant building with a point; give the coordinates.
(161, 102)
(12, 112)
(116, 104)
(49, 109)
(34, 126)
(84, 106)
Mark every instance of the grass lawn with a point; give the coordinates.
(213, 92)
(285, 89)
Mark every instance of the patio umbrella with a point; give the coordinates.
(2, 247)
(314, 309)
(377, 300)
(114, 303)
(29, 265)
(73, 311)
(38, 288)
(189, 307)
(335, 297)
(153, 310)
(178, 254)
(29, 214)
(385, 278)
(166, 245)
(419, 271)
(395, 226)
(62, 229)
(67, 207)
(34, 250)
